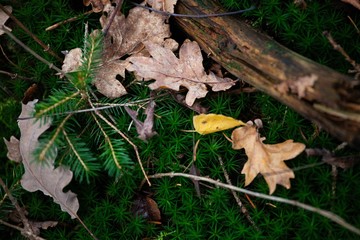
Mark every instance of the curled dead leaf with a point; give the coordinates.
(267, 159)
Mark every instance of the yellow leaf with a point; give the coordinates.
(210, 123)
(266, 159)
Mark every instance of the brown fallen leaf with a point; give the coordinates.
(144, 129)
(172, 72)
(97, 5)
(267, 159)
(43, 177)
(13, 147)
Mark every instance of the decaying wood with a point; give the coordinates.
(319, 93)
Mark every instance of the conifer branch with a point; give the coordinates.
(126, 139)
(44, 153)
(108, 141)
(57, 104)
(78, 157)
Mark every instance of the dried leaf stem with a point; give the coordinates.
(324, 213)
(237, 199)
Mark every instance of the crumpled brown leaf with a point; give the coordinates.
(172, 72)
(97, 5)
(267, 159)
(43, 177)
(125, 37)
(144, 129)
(3, 18)
(13, 147)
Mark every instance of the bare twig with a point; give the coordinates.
(14, 75)
(338, 48)
(52, 66)
(43, 45)
(52, 27)
(11, 62)
(237, 199)
(27, 230)
(324, 213)
(111, 19)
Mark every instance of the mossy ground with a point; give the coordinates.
(105, 203)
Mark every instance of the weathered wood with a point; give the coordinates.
(329, 99)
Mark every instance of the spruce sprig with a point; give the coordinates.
(65, 137)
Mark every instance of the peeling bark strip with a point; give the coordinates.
(317, 92)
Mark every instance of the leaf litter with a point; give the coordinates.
(41, 176)
(145, 37)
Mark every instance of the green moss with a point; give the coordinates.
(106, 202)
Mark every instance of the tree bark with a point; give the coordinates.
(317, 92)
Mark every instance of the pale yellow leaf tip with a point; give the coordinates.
(210, 123)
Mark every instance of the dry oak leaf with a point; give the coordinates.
(267, 159)
(125, 37)
(97, 5)
(144, 129)
(172, 72)
(43, 177)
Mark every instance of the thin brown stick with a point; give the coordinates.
(27, 231)
(11, 62)
(14, 75)
(36, 39)
(22, 230)
(52, 66)
(56, 25)
(324, 213)
(237, 199)
(111, 19)
(338, 48)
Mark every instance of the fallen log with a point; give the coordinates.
(320, 94)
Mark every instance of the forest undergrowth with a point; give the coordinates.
(115, 200)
